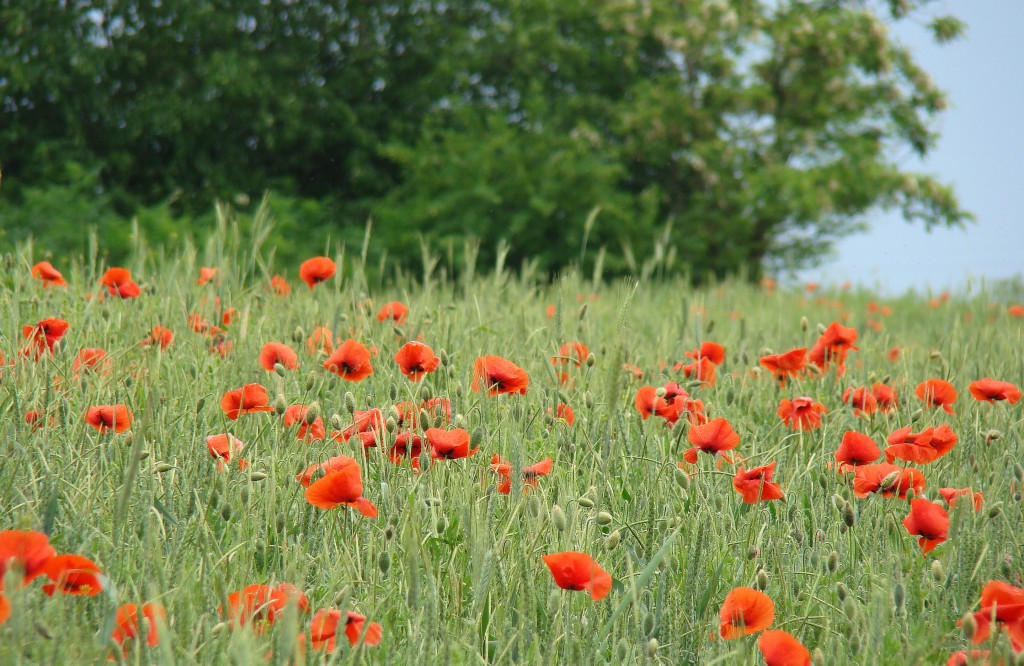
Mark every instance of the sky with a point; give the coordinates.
(980, 152)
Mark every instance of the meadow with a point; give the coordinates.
(444, 567)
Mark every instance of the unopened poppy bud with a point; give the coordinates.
(129, 439)
(682, 478)
(762, 579)
(143, 455)
(341, 597)
(425, 393)
(393, 392)
(199, 404)
(441, 525)
(558, 518)
(105, 312)
(443, 355)
(459, 390)
(842, 591)
(818, 657)
(279, 522)
(336, 421)
(1018, 471)
(218, 629)
(934, 355)
(821, 328)
(938, 573)
(850, 608)
(604, 518)
(398, 331)
(613, 540)
(887, 482)
(586, 502)
(899, 596)
(648, 624)
(310, 381)
(588, 399)
(279, 369)
(280, 403)
(42, 630)
(804, 324)
(389, 532)
(752, 553)
(312, 413)
(591, 360)
(848, 516)
(384, 562)
(225, 512)
(832, 562)
(992, 435)
(548, 419)
(582, 311)
(257, 476)
(298, 335)
(391, 424)
(162, 467)
(459, 421)
(536, 506)
(660, 391)
(350, 402)
(994, 511)
(969, 626)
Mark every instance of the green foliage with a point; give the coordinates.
(759, 132)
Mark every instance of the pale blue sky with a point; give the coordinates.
(980, 151)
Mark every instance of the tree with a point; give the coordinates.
(758, 131)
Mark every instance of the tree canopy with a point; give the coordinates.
(734, 134)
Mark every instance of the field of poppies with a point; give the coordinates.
(206, 457)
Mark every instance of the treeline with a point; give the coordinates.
(729, 134)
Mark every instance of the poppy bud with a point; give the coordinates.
(842, 591)
(441, 525)
(225, 511)
(586, 502)
(848, 516)
(218, 629)
(899, 596)
(350, 402)
(160, 468)
(969, 625)
(389, 532)
(143, 455)
(280, 403)
(310, 381)
(582, 311)
(604, 518)
(536, 506)
(298, 335)
(312, 413)
(341, 598)
(660, 391)
(443, 355)
(279, 369)
(652, 648)
(935, 355)
(391, 424)
(938, 573)
(613, 540)
(804, 324)
(588, 399)
(916, 415)
(818, 657)
(994, 511)
(257, 476)
(682, 478)
(762, 579)
(425, 393)
(850, 609)
(280, 522)
(424, 458)
(399, 332)
(459, 421)
(821, 328)
(591, 360)
(833, 562)
(459, 390)
(992, 435)
(1018, 471)
(622, 651)
(384, 562)
(887, 482)
(558, 518)
(336, 421)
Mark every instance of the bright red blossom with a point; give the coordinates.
(323, 630)
(929, 521)
(780, 648)
(886, 479)
(786, 365)
(578, 571)
(416, 360)
(118, 282)
(73, 574)
(350, 361)
(856, 449)
(801, 413)
(127, 625)
(48, 275)
(261, 605)
(991, 390)
(495, 375)
(449, 444)
(937, 393)
(26, 551)
(109, 417)
(316, 270)
(756, 484)
(745, 611)
(343, 486)
(395, 311)
(276, 352)
(249, 399)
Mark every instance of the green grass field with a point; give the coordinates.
(452, 569)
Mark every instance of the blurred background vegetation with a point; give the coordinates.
(728, 135)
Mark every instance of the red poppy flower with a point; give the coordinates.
(261, 605)
(395, 311)
(856, 449)
(922, 447)
(206, 274)
(563, 412)
(323, 630)
(1016, 310)
(633, 370)
(885, 396)
(109, 417)
(862, 400)
(495, 375)
(801, 413)
(648, 403)
(221, 347)
(990, 390)
(756, 484)
(316, 270)
(320, 340)
(92, 359)
(276, 352)
(969, 658)
(44, 336)
(929, 521)
(712, 351)
(127, 625)
(298, 414)
(951, 495)
(713, 437)
(407, 446)
(416, 359)
(279, 286)
(503, 469)
(781, 648)
(350, 361)
(334, 464)
(371, 419)
(1004, 604)
(249, 399)
(223, 448)
(449, 444)
(26, 551)
(571, 352)
(702, 370)
(118, 282)
(549, 312)
(228, 316)
(438, 408)
(788, 364)
(5, 609)
(73, 574)
(578, 571)
(745, 611)
(343, 486)
(833, 346)
(35, 418)
(887, 479)
(49, 275)
(937, 393)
